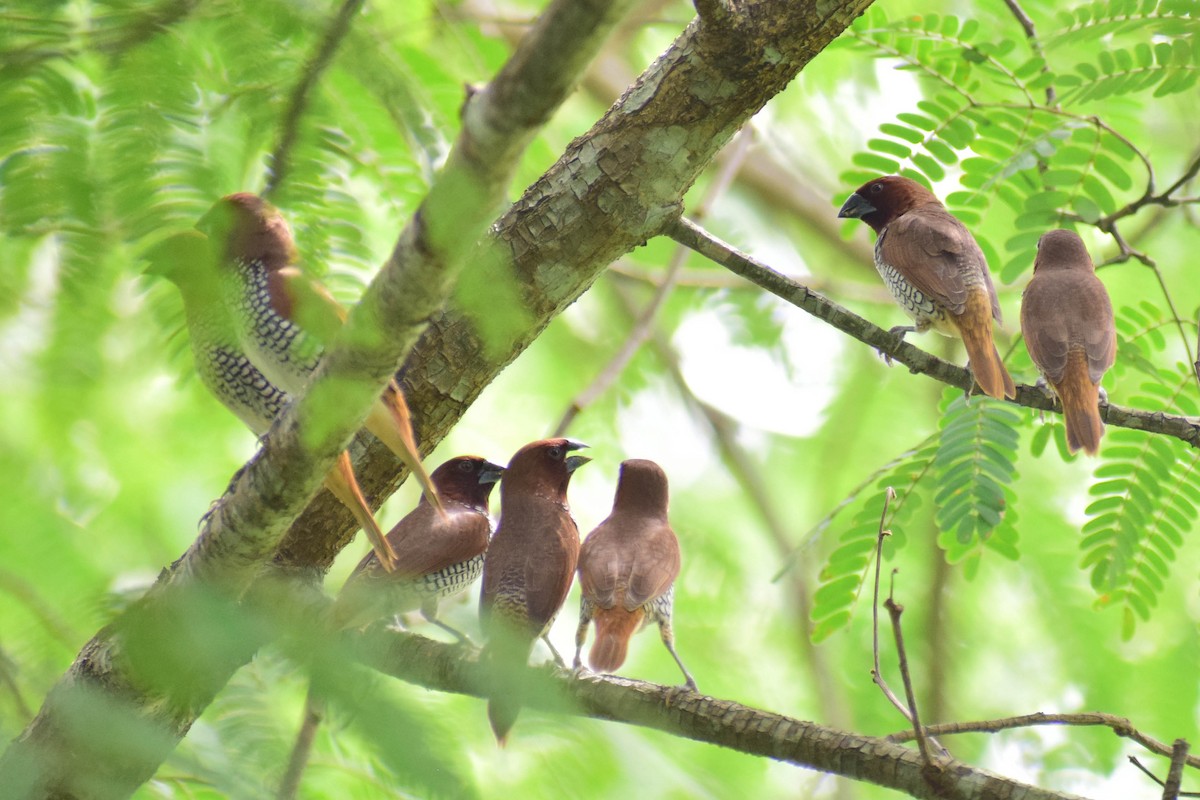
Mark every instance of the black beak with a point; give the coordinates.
(490, 473)
(856, 207)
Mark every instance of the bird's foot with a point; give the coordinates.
(900, 331)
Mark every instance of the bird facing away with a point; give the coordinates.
(284, 319)
(529, 566)
(627, 570)
(934, 270)
(437, 555)
(1067, 322)
(186, 260)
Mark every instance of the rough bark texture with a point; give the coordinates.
(613, 189)
(695, 716)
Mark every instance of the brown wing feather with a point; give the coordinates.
(305, 302)
(549, 571)
(935, 252)
(426, 542)
(630, 560)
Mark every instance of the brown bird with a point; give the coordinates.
(185, 259)
(935, 270)
(1067, 321)
(284, 319)
(627, 570)
(438, 556)
(529, 566)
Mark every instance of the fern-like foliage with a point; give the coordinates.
(849, 564)
(974, 467)
(1146, 494)
(987, 117)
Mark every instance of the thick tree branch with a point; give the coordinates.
(1186, 429)
(613, 189)
(692, 715)
(56, 755)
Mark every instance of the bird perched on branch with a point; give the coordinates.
(627, 570)
(529, 567)
(437, 556)
(284, 319)
(934, 270)
(186, 260)
(1067, 322)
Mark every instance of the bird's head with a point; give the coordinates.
(468, 480)
(882, 200)
(642, 486)
(249, 229)
(1062, 249)
(544, 466)
(182, 258)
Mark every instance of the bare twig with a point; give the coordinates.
(1035, 44)
(894, 611)
(644, 324)
(1184, 428)
(1179, 751)
(279, 163)
(876, 671)
(1121, 726)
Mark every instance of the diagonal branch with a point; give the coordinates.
(280, 159)
(1186, 429)
(691, 715)
(613, 188)
(266, 495)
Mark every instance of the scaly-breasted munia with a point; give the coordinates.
(627, 570)
(284, 319)
(935, 271)
(185, 259)
(437, 555)
(1067, 322)
(529, 566)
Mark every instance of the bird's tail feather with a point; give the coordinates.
(391, 422)
(1081, 405)
(614, 627)
(975, 326)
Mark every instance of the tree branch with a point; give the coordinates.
(280, 159)
(1186, 429)
(1121, 726)
(679, 712)
(55, 755)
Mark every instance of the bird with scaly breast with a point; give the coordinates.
(627, 570)
(935, 271)
(1067, 322)
(186, 260)
(284, 319)
(437, 557)
(529, 567)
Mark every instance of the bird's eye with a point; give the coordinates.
(877, 188)
(556, 452)
(464, 466)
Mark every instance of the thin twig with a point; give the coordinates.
(1035, 44)
(1184, 428)
(894, 611)
(1121, 726)
(876, 671)
(644, 325)
(1179, 751)
(280, 161)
